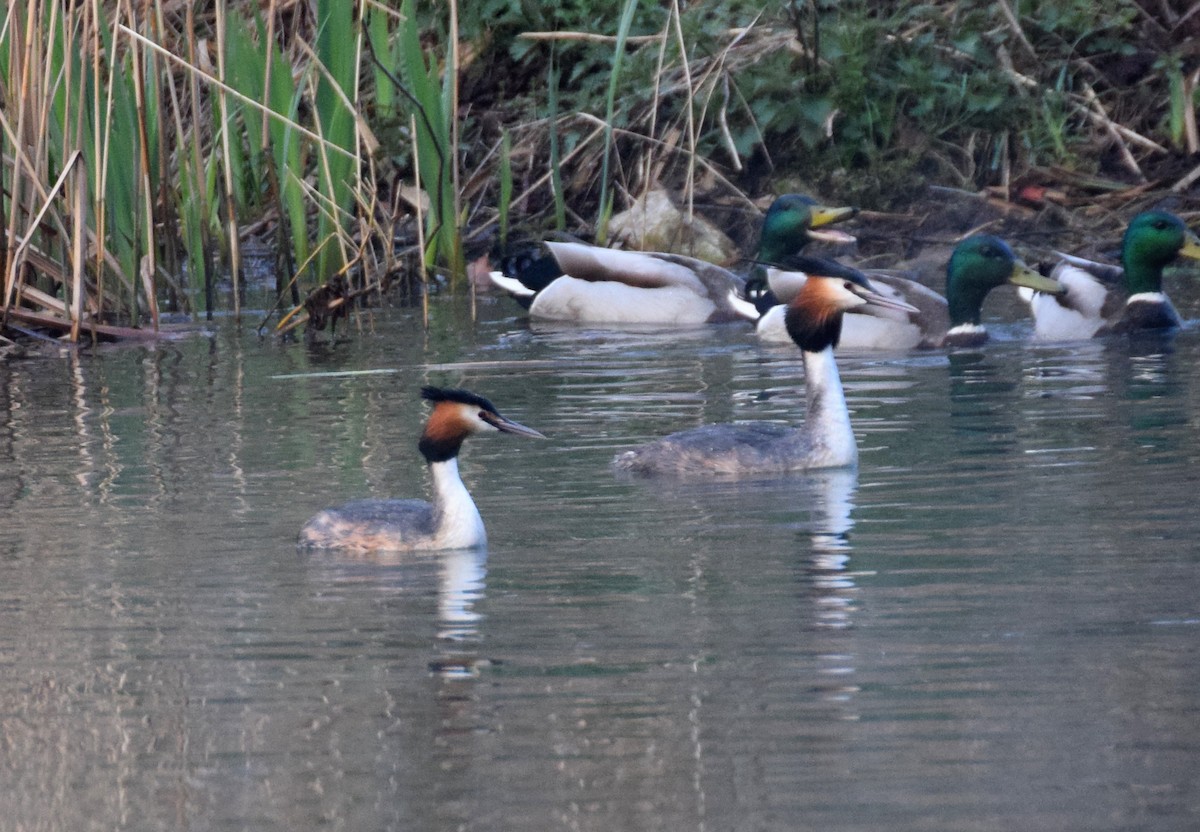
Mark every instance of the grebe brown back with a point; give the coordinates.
(451, 521)
(826, 440)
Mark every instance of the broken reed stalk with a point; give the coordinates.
(15, 132)
(412, 126)
(556, 161)
(79, 247)
(1111, 128)
(648, 173)
(689, 109)
(231, 213)
(588, 37)
(452, 71)
(710, 72)
(456, 259)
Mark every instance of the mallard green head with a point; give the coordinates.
(978, 265)
(1152, 240)
(790, 225)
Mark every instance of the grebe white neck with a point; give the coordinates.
(456, 519)
(830, 434)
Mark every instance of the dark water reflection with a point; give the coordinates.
(992, 626)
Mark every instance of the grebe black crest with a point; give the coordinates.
(826, 440)
(451, 521)
(457, 394)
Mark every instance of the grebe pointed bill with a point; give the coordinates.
(451, 520)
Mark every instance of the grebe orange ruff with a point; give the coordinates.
(451, 521)
(814, 321)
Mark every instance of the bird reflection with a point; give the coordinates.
(461, 584)
(833, 500)
(461, 576)
(826, 572)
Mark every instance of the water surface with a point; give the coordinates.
(993, 625)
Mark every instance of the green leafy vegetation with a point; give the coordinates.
(365, 142)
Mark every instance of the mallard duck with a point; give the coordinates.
(591, 284)
(451, 521)
(814, 321)
(978, 264)
(1093, 303)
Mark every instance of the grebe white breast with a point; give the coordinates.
(451, 521)
(826, 440)
(1102, 298)
(592, 284)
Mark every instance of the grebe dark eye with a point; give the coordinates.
(848, 286)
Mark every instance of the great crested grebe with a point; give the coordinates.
(978, 264)
(592, 284)
(1093, 305)
(826, 440)
(451, 521)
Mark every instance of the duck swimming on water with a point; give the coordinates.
(451, 521)
(826, 440)
(978, 265)
(1093, 303)
(592, 284)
